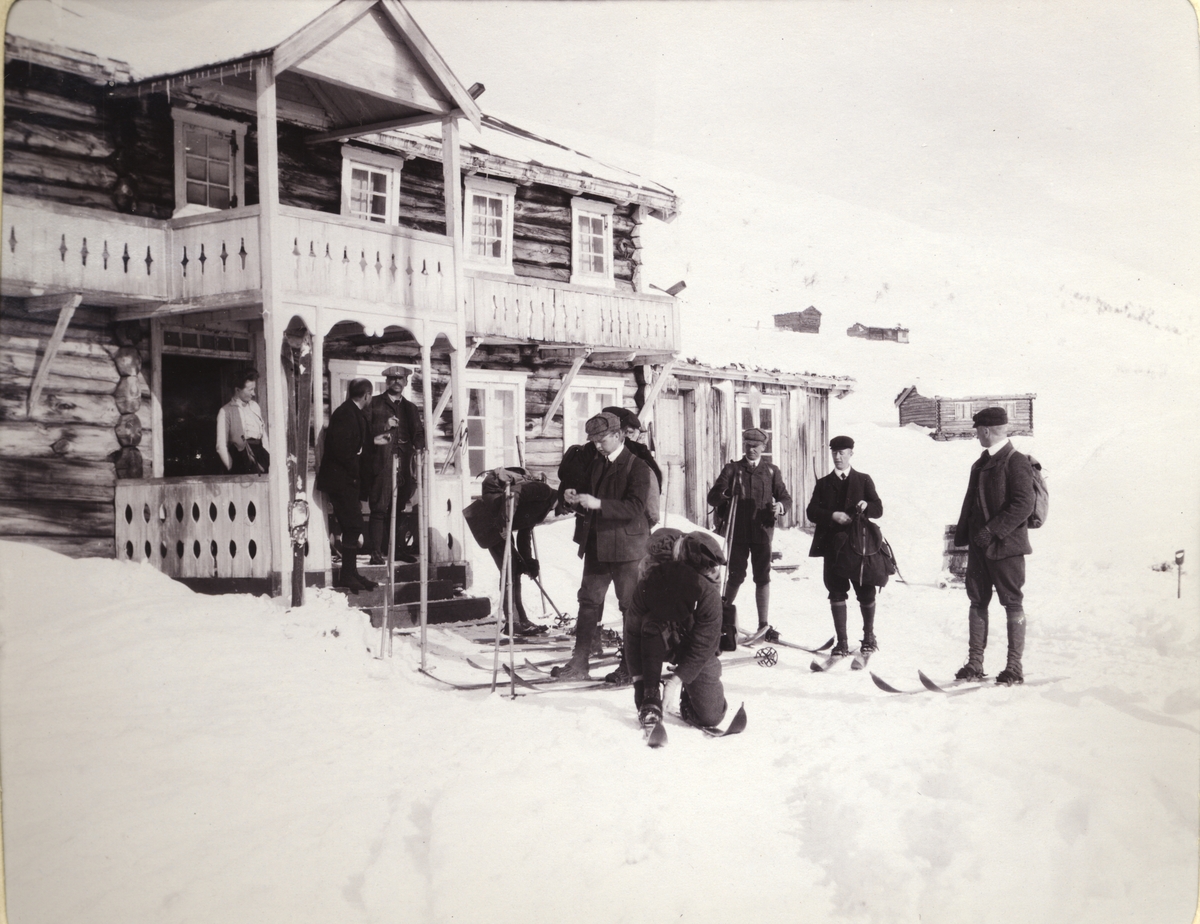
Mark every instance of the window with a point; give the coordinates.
(371, 185)
(768, 415)
(208, 162)
(495, 419)
(587, 397)
(343, 371)
(591, 243)
(488, 223)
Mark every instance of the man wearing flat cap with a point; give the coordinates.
(612, 533)
(999, 500)
(752, 491)
(396, 430)
(836, 500)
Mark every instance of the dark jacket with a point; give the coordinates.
(997, 505)
(622, 530)
(642, 451)
(409, 435)
(824, 504)
(757, 489)
(342, 463)
(674, 598)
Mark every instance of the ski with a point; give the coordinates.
(735, 727)
(756, 637)
(948, 687)
(544, 667)
(888, 688)
(543, 684)
(822, 666)
(655, 734)
(860, 660)
(817, 650)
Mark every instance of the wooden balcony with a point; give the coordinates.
(201, 527)
(213, 261)
(522, 309)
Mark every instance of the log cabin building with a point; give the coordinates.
(895, 334)
(319, 198)
(807, 321)
(950, 418)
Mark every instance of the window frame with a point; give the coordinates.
(591, 384)
(774, 404)
(392, 165)
(343, 371)
(496, 453)
(580, 276)
(187, 118)
(507, 192)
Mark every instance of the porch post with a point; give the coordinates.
(273, 322)
(452, 180)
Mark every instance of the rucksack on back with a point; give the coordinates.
(1041, 495)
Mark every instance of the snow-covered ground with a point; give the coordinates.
(170, 757)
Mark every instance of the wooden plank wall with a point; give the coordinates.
(56, 474)
(919, 410)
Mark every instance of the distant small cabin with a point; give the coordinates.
(807, 321)
(898, 334)
(950, 418)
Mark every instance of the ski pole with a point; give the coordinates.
(557, 611)
(504, 571)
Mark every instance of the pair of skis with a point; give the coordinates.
(953, 687)
(655, 733)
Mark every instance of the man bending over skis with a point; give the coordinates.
(675, 616)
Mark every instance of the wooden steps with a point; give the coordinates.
(447, 602)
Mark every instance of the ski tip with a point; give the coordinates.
(827, 645)
(929, 684)
(816, 667)
(739, 721)
(657, 736)
(882, 684)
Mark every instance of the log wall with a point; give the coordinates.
(57, 467)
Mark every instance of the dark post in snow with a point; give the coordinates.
(1178, 573)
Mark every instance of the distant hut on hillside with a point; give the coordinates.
(807, 321)
(950, 418)
(897, 333)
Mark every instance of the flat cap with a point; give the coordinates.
(602, 423)
(990, 417)
(753, 435)
(397, 372)
(701, 551)
(840, 442)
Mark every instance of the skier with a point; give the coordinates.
(836, 499)
(340, 477)
(675, 616)
(761, 499)
(611, 532)
(396, 429)
(532, 500)
(993, 522)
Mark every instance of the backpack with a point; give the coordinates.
(863, 554)
(1041, 495)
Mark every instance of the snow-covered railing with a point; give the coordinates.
(198, 527)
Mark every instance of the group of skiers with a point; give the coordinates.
(667, 581)
(368, 456)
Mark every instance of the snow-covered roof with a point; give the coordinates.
(500, 148)
(166, 37)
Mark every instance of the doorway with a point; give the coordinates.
(193, 390)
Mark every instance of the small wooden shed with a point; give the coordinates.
(950, 418)
(897, 334)
(807, 321)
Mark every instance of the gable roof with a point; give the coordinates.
(372, 49)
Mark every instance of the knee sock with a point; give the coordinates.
(978, 628)
(868, 618)
(762, 600)
(839, 620)
(1016, 636)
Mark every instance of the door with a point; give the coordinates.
(670, 439)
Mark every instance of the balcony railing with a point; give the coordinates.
(201, 527)
(213, 260)
(559, 313)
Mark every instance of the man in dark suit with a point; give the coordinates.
(341, 477)
(836, 499)
(396, 430)
(753, 492)
(612, 533)
(1000, 498)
